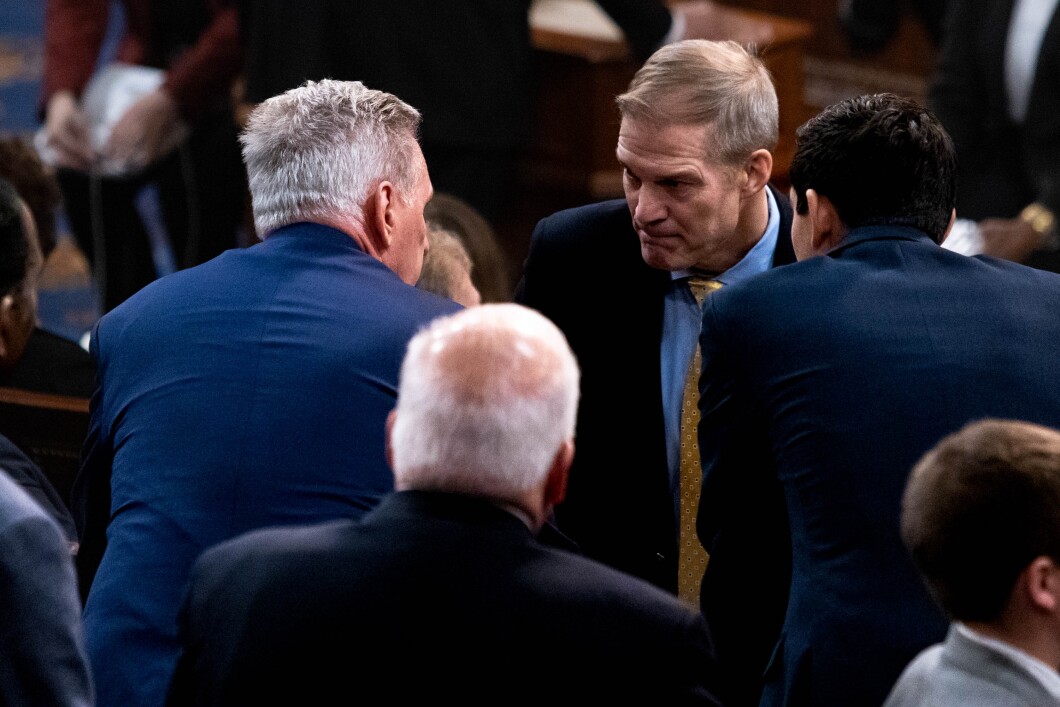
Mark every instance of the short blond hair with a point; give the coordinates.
(711, 83)
(445, 260)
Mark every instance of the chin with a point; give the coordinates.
(660, 259)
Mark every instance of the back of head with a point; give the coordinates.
(701, 82)
(880, 160)
(978, 508)
(22, 167)
(487, 397)
(315, 152)
(447, 268)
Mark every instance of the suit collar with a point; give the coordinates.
(785, 252)
(458, 507)
(881, 233)
(1043, 70)
(320, 233)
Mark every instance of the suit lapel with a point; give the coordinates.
(1042, 102)
(998, 16)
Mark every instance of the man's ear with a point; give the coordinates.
(379, 216)
(556, 483)
(949, 227)
(757, 171)
(1042, 581)
(828, 228)
(389, 434)
(16, 325)
(7, 321)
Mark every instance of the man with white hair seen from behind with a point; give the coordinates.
(253, 390)
(445, 577)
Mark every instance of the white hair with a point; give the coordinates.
(315, 152)
(487, 397)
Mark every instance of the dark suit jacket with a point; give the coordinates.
(53, 364)
(586, 274)
(33, 481)
(43, 658)
(467, 66)
(1002, 167)
(846, 369)
(448, 594)
(249, 391)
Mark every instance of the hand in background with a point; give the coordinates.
(705, 19)
(150, 129)
(66, 132)
(1011, 239)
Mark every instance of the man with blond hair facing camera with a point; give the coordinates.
(623, 280)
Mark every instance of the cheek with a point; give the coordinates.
(703, 217)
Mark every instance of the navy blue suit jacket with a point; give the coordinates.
(43, 658)
(585, 273)
(246, 392)
(453, 588)
(829, 379)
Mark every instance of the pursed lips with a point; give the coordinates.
(646, 235)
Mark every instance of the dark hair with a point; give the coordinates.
(14, 248)
(20, 165)
(978, 508)
(880, 160)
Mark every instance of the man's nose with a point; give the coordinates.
(649, 207)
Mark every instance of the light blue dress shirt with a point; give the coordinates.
(682, 319)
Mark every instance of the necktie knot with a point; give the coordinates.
(701, 287)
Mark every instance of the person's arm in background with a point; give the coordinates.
(195, 81)
(73, 35)
(957, 95)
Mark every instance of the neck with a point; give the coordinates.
(1027, 636)
(751, 226)
(352, 227)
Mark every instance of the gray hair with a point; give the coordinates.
(709, 83)
(315, 152)
(487, 397)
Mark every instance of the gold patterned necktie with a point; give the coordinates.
(692, 557)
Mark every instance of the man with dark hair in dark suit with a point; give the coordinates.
(830, 377)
